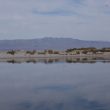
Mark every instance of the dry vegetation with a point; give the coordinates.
(73, 51)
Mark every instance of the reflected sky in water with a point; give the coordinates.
(57, 86)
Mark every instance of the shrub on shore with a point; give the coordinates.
(12, 52)
(31, 52)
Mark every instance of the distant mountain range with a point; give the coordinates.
(50, 43)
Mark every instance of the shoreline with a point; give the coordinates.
(61, 59)
(6, 56)
(53, 54)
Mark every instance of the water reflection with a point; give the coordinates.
(75, 104)
(58, 86)
(56, 60)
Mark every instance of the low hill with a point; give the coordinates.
(50, 43)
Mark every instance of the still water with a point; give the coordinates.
(55, 86)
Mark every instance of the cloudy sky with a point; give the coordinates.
(81, 19)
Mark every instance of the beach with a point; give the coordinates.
(23, 54)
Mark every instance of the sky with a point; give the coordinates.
(79, 19)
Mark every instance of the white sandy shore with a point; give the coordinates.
(24, 55)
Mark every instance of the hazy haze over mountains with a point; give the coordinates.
(50, 43)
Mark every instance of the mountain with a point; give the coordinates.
(50, 43)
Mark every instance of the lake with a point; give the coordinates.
(55, 85)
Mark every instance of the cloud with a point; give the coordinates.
(84, 19)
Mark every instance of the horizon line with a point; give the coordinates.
(52, 38)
